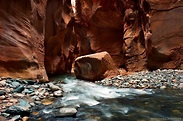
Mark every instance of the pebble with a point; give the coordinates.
(53, 87)
(67, 111)
(2, 82)
(25, 118)
(57, 93)
(2, 92)
(180, 85)
(2, 97)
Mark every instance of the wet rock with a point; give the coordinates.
(67, 111)
(24, 103)
(2, 92)
(47, 101)
(16, 118)
(18, 110)
(180, 85)
(53, 87)
(57, 93)
(18, 95)
(25, 118)
(2, 97)
(28, 91)
(15, 84)
(13, 101)
(19, 89)
(95, 66)
(2, 82)
(31, 82)
(163, 87)
(5, 115)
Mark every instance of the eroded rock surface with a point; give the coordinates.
(22, 39)
(50, 34)
(95, 66)
(167, 34)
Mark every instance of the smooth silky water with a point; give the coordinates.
(101, 103)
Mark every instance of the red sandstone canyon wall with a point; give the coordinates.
(22, 39)
(167, 34)
(40, 37)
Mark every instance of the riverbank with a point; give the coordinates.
(19, 97)
(158, 79)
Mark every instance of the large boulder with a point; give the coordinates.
(95, 66)
(21, 39)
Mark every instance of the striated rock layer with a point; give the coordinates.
(22, 39)
(39, 36)
(167, 34)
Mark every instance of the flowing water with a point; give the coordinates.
(99, 103)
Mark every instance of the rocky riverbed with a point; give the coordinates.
(147, 80)
(18, 98)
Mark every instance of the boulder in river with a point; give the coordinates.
(95, 66)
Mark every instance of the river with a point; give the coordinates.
(101, 103)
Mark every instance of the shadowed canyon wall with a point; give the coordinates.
(39, 36)
(22, 39)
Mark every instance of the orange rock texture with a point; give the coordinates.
(40, 37)
(22, 39)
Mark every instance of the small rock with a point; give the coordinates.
(57, 93)
(15, 118)
(19, 89)
(18, 110)
(31, 82)
(15, 84)
(32, 104)
(36, 86)
(5, 115)
(37, 99)
(47, 102)
(174, 80)
(8, 90)
(18, 95)
(163, 87)
(180, 85)
(2, 92)
(2, 97)
(9, 104)
(13, 100)
(2, 82)
(28, 91)
(25, 118)
(53, 87)
(24, 103)
(37, 102)
(66, 112)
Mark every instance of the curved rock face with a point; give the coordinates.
(167, 34)
(22, 39)
(119, 27)
(60, 40)
(70, 28)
